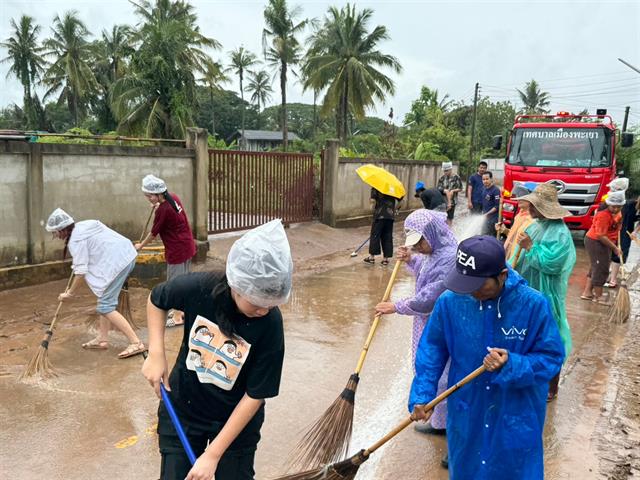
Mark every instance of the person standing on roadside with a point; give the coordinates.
(475, 188)
(172, 224)
(384, 214)
(490, 203)
(449, 185)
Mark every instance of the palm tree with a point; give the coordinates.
(343, 61)
(281, 47)
(157, 95)
(71, 72)
(25, 56)
(260, 88)
(212, 79)
(241, 60)
(534, 100)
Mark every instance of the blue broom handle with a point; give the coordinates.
(177, 425)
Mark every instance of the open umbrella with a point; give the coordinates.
(383, 181)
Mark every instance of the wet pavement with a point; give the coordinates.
(96, 420)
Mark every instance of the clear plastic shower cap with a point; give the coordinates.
(58, 220)
(153, 185)
(259, 265)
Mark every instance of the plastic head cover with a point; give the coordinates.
(58, 220)
(259, 265)
(153, 185)
(619, 184)
(615, 199)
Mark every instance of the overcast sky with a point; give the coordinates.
(570, 47)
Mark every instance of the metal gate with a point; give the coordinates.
(247, 189)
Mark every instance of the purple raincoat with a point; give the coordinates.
(430, 271)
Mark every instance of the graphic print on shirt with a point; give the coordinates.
(215, 357)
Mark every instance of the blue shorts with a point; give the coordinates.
(108, 302)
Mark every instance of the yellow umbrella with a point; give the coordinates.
(383, 181)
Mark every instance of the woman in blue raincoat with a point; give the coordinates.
(490, 317)
(546, 257)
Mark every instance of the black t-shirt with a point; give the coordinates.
(432, 198)
(212, 371)
(385, 207)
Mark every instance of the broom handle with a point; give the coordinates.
(146, 225)
(518, 255)
(499, 215)
(635, 239)
(621, 257)
(408, 421)
(55, 317)
(376, 319)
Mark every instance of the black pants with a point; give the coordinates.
(381, 235)
(234, 464)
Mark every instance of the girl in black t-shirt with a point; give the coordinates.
(230, 359)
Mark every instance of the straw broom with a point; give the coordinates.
(39, 363)
(347, 469)
(328, 438)
(621, 309)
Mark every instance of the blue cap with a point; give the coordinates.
(419, 185)
(477, 259)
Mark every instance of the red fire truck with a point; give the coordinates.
(575, 153)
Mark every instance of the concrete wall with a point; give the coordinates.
(496, 166)
(13, 208)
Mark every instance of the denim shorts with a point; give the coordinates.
(108, 302)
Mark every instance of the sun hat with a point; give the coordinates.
(412, 237)
(477, 259)
(447, 166)
(153, 185)
(545, 199)
(58, 220)
(615, 198)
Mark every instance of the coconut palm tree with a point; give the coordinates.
(282, 48)
(344, 61)
(260, 88)
(27, 63)
(213, 78)
(534, 100)
(157, 95)
(71, 72)
(241, 61)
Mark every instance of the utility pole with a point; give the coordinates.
(473, 125)
(629, 65)
(626, 119)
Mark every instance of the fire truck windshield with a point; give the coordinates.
(560, 147)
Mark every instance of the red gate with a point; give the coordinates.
(247, 189)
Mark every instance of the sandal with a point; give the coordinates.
(132, 349)
(384, 262)
(551, 397)
(586, 297)
(171, 320)
(369, 260)
(610, 285)
(96, 344)
(601, 302)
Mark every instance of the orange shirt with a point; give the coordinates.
(604, 223)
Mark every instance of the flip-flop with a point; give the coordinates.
(96, 344)
(601, 302)
(585, 297)
(132, 349)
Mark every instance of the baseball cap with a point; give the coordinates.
(412, 237)
(477, 259)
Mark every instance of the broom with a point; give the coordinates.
(39, 363)
(328, 438)
(621, 309)
(347, 469)
(124, 307)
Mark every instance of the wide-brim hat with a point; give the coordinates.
(545, 199)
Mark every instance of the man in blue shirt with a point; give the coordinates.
(475, 187)
(489, 317)
(490, 204)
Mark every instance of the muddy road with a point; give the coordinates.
(97, 418)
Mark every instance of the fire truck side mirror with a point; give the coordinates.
(497, 142)
(627, 139)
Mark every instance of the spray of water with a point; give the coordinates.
(468, 226)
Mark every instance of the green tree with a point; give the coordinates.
(213, 79)
(227, 106)
(427, 107)
(70, 72)
(493, 118)
(157, 95)
(241, 61)
(259, 87)
(344, 62)
(534, 100)
(27, 63)
(281, 47)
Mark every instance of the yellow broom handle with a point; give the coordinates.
(376, 319)
(499, 215)
(621, 257)
(55, 317)
(408, 421)
(518, 255)
(146, 225)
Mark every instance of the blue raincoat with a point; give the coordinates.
(495, 423)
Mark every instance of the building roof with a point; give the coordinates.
(265, 135)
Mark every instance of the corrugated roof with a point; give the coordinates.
(266, 135)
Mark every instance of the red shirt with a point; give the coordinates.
(175, 232)
(604, 223)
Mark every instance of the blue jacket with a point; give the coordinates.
(495, 423)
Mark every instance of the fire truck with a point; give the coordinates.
(574, 153)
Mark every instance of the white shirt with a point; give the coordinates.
(99, 254)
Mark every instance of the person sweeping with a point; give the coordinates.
(171, 223)
(490, 317)
(103, 259)
(230, 359)
(548, 259)
(429, 253)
